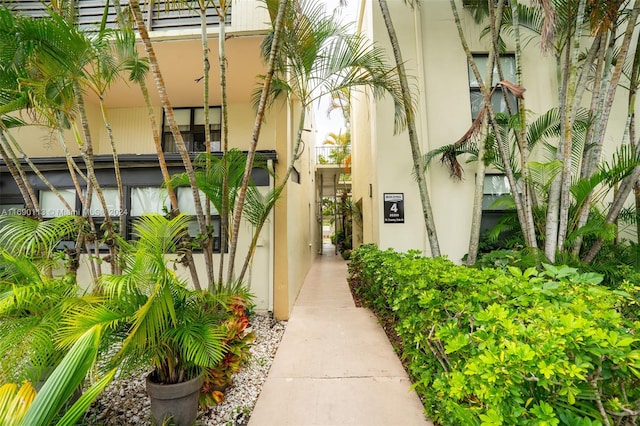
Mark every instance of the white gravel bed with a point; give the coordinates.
(125, 402)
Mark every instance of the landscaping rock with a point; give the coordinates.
(125, 402)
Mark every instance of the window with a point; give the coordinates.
(149, 200)
(142, 200)
(52, 206)
(112, 200)
(187, 206)
(498, 101)
(495, 200)
(191, 124)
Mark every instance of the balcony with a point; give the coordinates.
(334, 155)
(157, 14)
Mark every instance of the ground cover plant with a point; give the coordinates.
(491, 347)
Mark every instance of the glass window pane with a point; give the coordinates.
(508, 68)
(496, 192)
(496, 185)
(214, 116)
(183, 119)
(111, 198)
(186, 203)
(149, 200)
(52, 206)
(481, 63)
(476, 103)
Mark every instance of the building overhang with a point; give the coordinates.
(125, 160)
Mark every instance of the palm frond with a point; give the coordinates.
(14, 402)
(29, 237)
(156, 234)
(64, 380)
(541, 175)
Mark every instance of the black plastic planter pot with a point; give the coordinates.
(177, 403)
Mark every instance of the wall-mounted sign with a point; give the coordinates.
(394, 208)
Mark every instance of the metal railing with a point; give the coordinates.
(329, 154)
(158, 16)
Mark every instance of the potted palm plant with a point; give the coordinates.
(158, 322)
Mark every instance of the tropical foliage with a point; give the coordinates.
(593, 46)
(150, 311)
(548, 346)
(50, 405)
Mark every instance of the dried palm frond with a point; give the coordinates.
(548, 26)
(517, 91)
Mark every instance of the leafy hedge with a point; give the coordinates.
(488, 347)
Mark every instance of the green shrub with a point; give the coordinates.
(494, 347)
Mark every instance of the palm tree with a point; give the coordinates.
(221, 7)
(416, 154)
(342, 143)
(138, 68)
(170, 117)
(166, 327)
(211, 173)
(523, 216)
(318, 57)
(582, 62)
(278, 20)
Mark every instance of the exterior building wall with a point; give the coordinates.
(438, 75)
(295, 248)
(285, 249)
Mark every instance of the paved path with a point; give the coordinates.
(335, 365)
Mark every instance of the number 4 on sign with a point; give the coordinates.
(394, 207)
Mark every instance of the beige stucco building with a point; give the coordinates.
(290, 239)
(381, 161)
(443, 93)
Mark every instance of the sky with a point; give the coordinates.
(334, 122)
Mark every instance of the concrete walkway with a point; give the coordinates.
(335, 365)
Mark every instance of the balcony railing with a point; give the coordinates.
(329, 154)
(158, 16)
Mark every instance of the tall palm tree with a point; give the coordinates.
(56, 58)
(138, 68)
(490, 114)
(416, 154)
(318, 57)
(170, 117)
(277, 15)
(221, 8)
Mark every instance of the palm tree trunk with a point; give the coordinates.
(175, 209)
(116, 168)
(558, 202)
(495, 22)
(599, 49)
(521, 134)
(569, 114)
(86, 150)
(504, 154)
(166, 104)
(416, 154)
(237, 213)
(222, 62)
(19, 176)
(207, 249)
